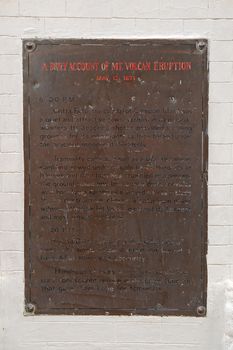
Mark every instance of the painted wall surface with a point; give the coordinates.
(212, 19)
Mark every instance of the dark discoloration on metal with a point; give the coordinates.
(29, 309)
(115, 178)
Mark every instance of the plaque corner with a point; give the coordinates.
(29, 309)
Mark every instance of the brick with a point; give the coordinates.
(182, 9)
(220, 154)
(221, 92)
(10, 64)
(10, 143)
(145, 9)
(120, 346)
(11, 221)
(180, 320)
(42, 8)
(10, 46)
(9, 8)
(12, 261)
(220, 127)
(12, 182)
(64, 331)
(220, 255)
(220, 174)
(11, 241)
(11, 201)
(218, 273)
(213, 29)
(10, 124)
(172, 333)
(158, 27)
(220, 9)
(184, 4)
(13, 290)
(221, 215)
(10, 84)
(219, 235)
(89, 8)
(197, 28)
(219, 195)
(83, 346)
(10, 162)
(21, 26)
(222, 29)
(34, 346)
(231, 235)
(134, 332)
(221, 72)
(2, 333)
(55, 26)
(221, 51)
(9, 103)
(102, 319)
(231, 106)
(138, 319)
(100, 27)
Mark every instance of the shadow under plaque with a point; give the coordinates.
(115, 146)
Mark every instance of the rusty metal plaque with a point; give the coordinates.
(115, 146)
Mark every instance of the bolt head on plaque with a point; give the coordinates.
(30, 46)
(201, 45)
(30, 308)
(201, 311)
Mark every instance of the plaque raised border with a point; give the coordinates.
(198, 46)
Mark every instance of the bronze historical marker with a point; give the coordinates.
(115, 176)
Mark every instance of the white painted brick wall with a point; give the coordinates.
(117, 18)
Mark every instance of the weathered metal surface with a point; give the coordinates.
(115, 176)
